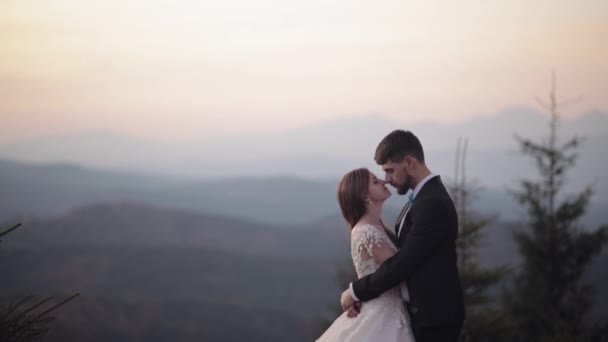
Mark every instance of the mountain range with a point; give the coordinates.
(324, 150)
(44, 190)
(140, 263)
(145, 273)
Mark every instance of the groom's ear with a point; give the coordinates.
(409, 161)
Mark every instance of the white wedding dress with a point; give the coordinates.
(383, 318)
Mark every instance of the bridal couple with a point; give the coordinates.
(408, 287)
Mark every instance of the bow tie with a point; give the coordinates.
(410, 198)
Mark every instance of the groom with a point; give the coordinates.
(426, 232)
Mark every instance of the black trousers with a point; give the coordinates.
(440, 333)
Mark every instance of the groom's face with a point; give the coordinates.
(397, 175)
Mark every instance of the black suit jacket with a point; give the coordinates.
(426, 260)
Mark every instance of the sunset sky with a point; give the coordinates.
(179, 69)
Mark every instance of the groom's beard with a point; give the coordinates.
(402, 189)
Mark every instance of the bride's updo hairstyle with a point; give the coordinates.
(351, 193)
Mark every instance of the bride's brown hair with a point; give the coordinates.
(351, 192)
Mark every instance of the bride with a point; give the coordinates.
(361, 196)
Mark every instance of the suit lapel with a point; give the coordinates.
(404, 210)
(407, 224)
(402, 214)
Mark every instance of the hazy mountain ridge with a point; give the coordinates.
(53, 190)
(50, 190)
(143, 258)
(141, 225)
(155, 257)
(326, 149)
(213, 176)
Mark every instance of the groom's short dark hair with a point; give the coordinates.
(398, 144)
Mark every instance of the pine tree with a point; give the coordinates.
(22, 321)
(484, 318)
(549, 301)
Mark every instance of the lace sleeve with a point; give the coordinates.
(369, 242)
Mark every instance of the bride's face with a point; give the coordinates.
(397, 175)
(377, 190)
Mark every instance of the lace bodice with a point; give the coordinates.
(364, 237)
(367, 243)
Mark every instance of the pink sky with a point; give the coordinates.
(174, 69)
